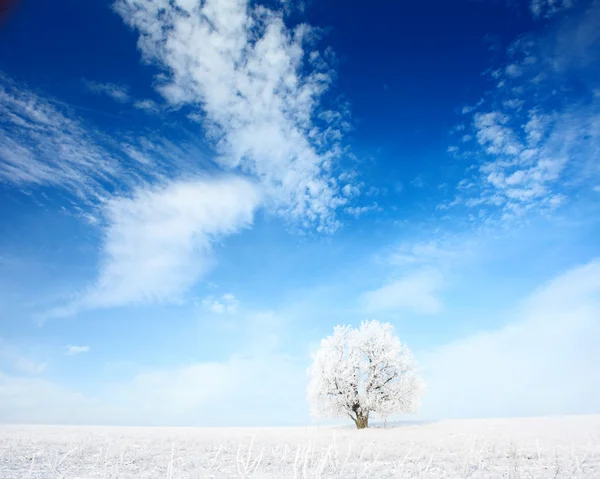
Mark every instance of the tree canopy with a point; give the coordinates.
(359, 371)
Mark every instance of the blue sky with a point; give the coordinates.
(195, 193)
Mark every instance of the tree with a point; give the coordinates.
(361, 371)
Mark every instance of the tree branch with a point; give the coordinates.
(386, 381)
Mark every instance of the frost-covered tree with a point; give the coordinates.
(359, 371)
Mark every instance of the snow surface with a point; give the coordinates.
(510, 448)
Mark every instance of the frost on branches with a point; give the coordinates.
(361, 371)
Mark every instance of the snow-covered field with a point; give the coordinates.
(511, 448)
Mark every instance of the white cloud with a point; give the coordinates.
(28, 366)
(429, 253)
(31, 400)
(514, 103)
(42, 143)
(471, 108)
(357, 211)
(417, 291)
(542, 362)
(535, 147)
(528, 168)
(418, 182)
(376, 191)
(149, 106)
(116, 92)
(513, 70)
(256, 386)
(351, 190)
(239, 391)
(225, 304)
(72, 350)
(548, 8)
(221, 393)
(259, 90)
(15, 359)
(158, 242)
(494, 134)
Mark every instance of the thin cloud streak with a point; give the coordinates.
(118, 93)
(72, 350)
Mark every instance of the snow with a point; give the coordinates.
(540, 447)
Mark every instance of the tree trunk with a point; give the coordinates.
(360, 417)
(362, 421)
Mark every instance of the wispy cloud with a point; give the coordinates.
(357, 211)
(158, 242)
(20, 362)
(544, 356)
(149, 106)
(44, 143)
(72, 350)
(513, 70)
(41, 145)
(192, 394)
(536, 139)
(225, 304)
(431, 253)
(28, 366)
(120, 93)
(257, 377)
(548, 8)
(258, 85)
(469, 109)
(417, 292)
(418, 182)
(38, 400)
(117, 92)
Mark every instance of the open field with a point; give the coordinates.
(510, 448)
